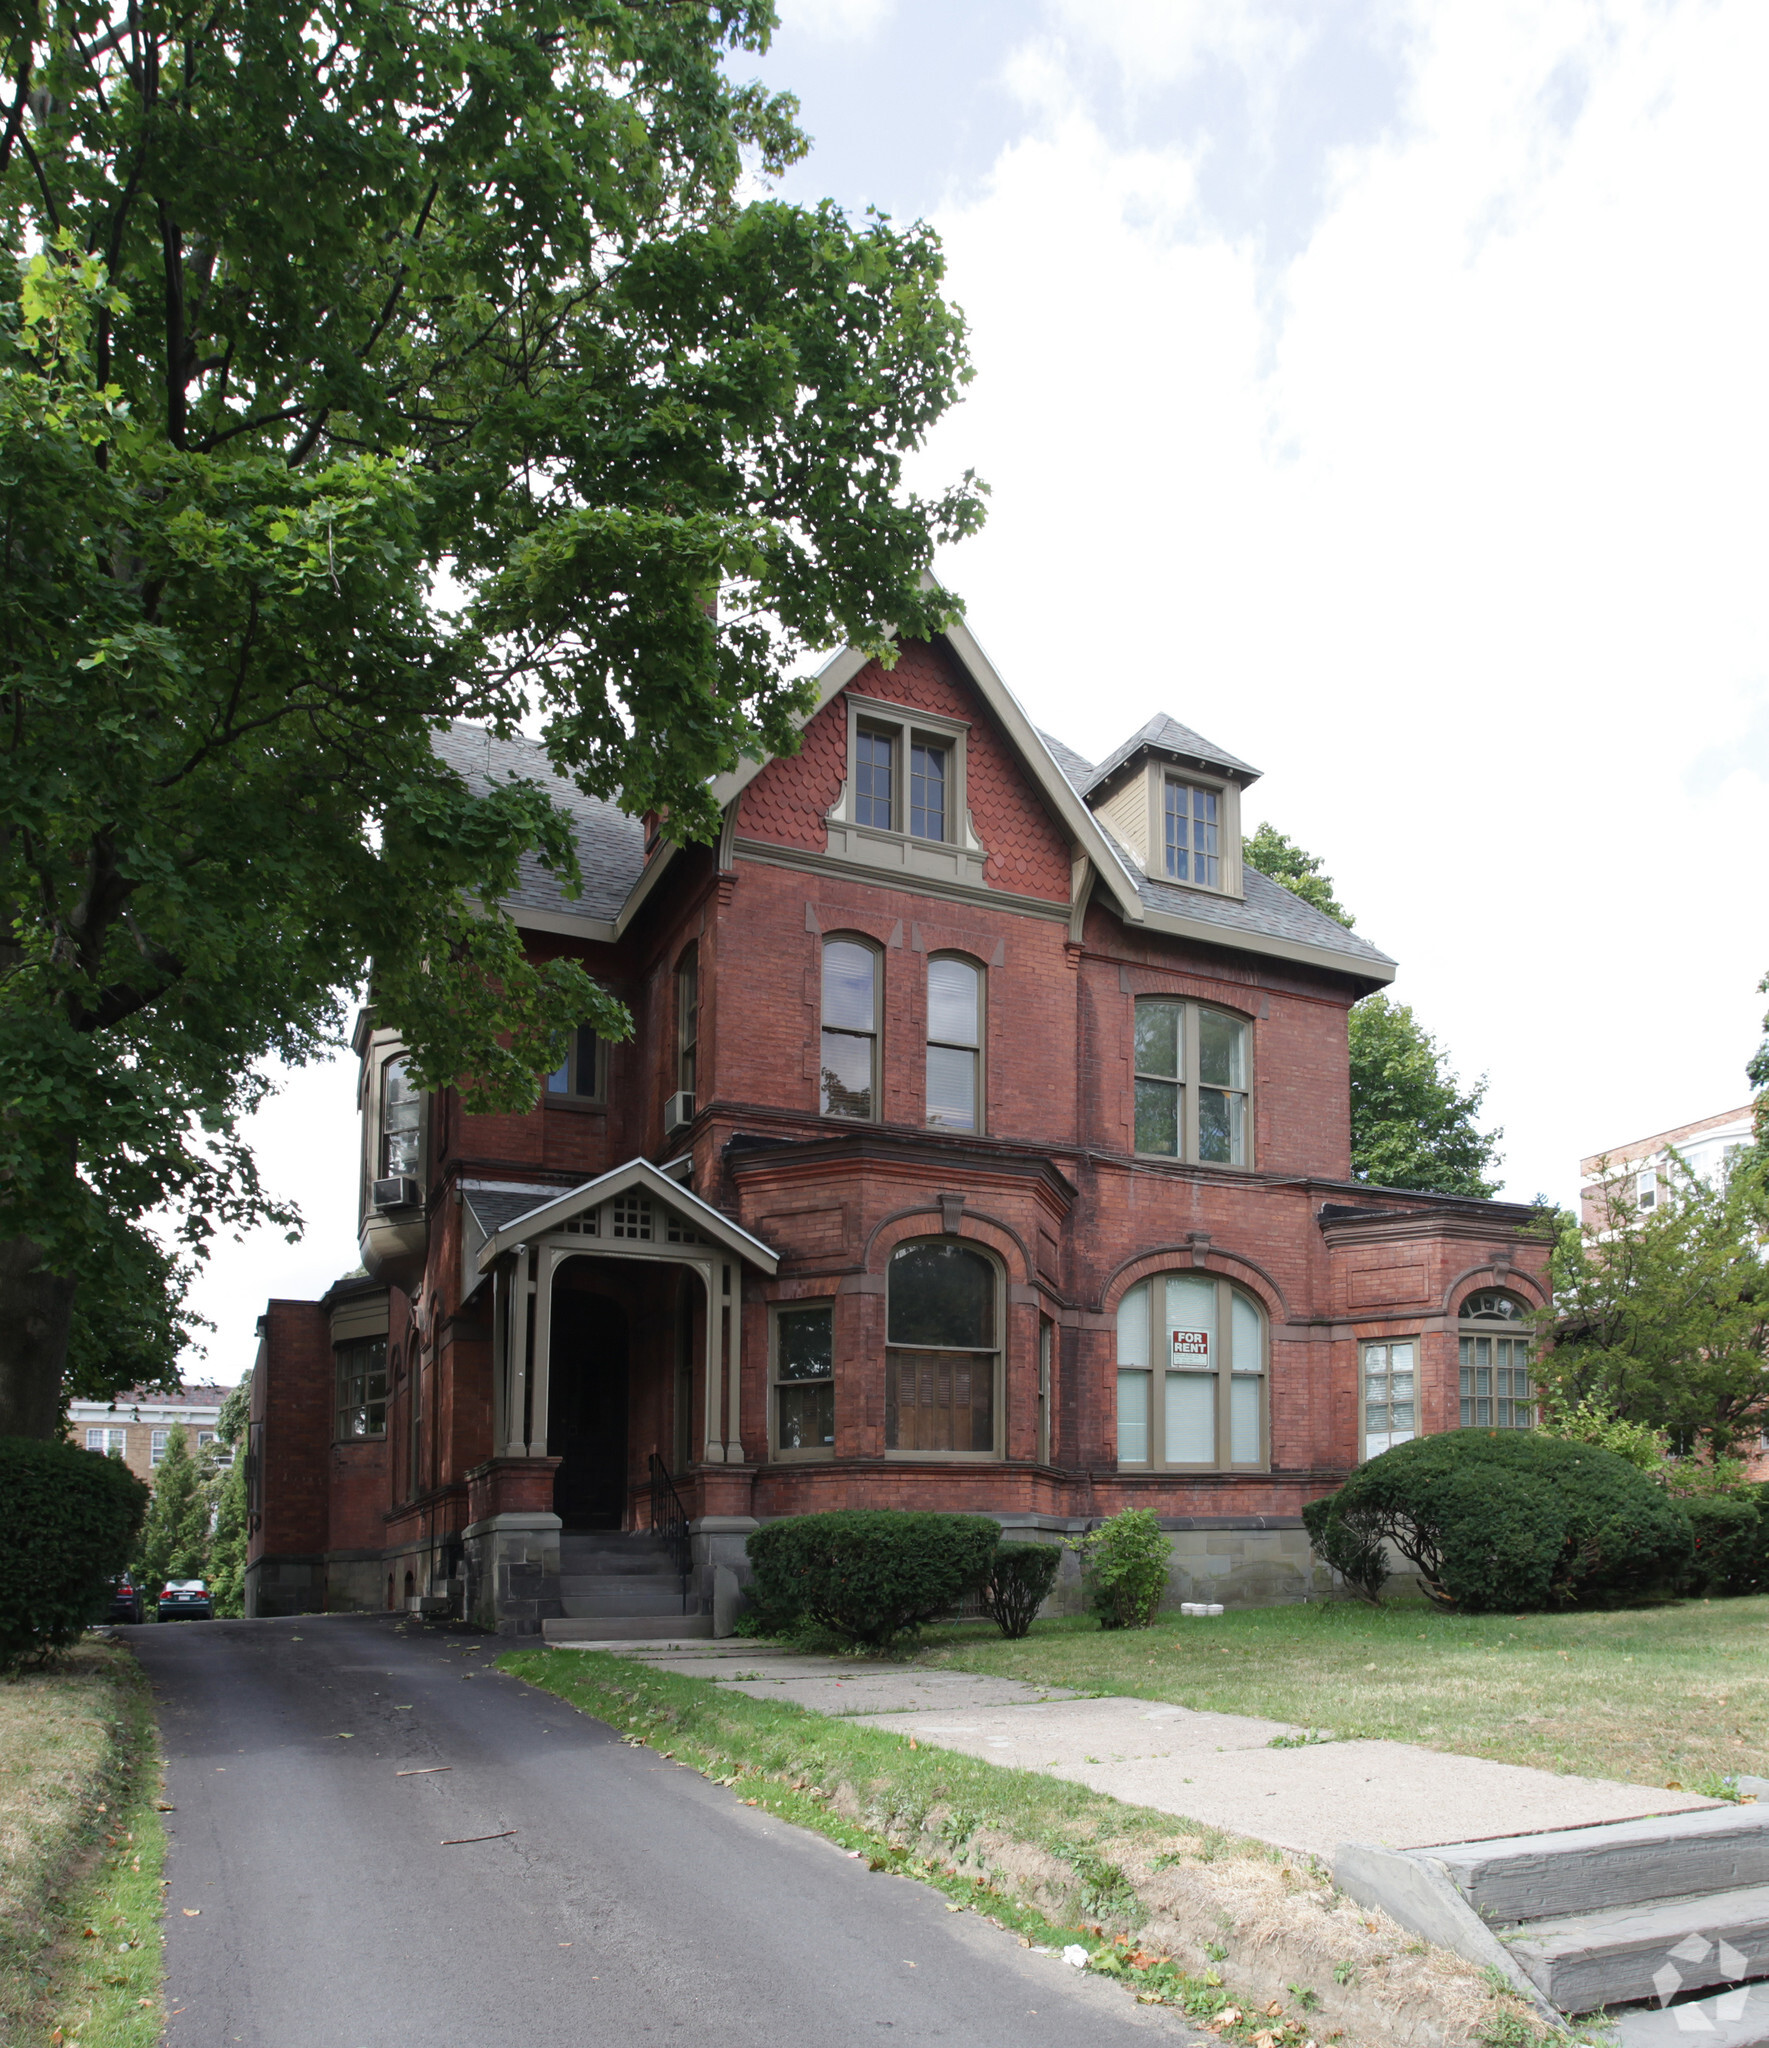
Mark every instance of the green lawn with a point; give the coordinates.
(1652, 1695)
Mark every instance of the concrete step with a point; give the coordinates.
(1734, 2019)
(628, 1629)
(615, 1598)
(1657, 1947)
(587, 1583)
(608, 1542)
(641, 1564)
(1623, 1863)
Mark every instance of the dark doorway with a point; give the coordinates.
(587, 1410)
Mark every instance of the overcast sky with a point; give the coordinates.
(1380, 390)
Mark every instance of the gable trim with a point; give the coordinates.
(549, 1216)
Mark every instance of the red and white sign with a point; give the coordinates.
(1191, 1347)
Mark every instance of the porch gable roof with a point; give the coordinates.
(636, 1173)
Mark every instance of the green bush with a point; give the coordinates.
(70, 1519)
(1508, 1519)
(1018, 1584)
(1124, 1568)
(870, 1574)
(1731, 1545)
(1351, 1541)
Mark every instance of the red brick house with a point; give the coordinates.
(982, 1144)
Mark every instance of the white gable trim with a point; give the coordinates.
(548, 1216)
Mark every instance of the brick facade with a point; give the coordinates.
(1050, 1189)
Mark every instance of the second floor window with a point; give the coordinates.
(362, 1389)
(954, 1043)
(849, 1055)
(107, 1442)
(1193, 854)
(687, 1020)
(400, 1107)
(580, 1073)
(1191, 1082)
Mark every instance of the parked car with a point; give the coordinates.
(186, 1600)
(127, 1601)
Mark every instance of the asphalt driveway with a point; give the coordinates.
(320, 1899)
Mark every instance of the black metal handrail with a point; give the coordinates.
(669, 1519)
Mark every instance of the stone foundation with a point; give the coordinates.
(512, 1563)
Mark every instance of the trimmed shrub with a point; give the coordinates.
(71, 1517)
(1495, 1519)
(1018, 1584)
(1731, 1545)
(1351, 1541)
(870, 1574)
(1124, 1568)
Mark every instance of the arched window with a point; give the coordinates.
(849, 1063)
(1492, 1341)
(954, 1043)
(687, 1019)
(942, 1354)
(1191, 1082)
(1191, 1376)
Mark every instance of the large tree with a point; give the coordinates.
(367, 368)
(1413, 1124)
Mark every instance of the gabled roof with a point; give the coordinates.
(536, 1218)
(1165, 735)
(617, 877)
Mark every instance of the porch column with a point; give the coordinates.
(515, 1439)
(713, 1449)
(730, 1315)
(545, 1261)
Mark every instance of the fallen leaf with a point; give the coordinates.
(344, 1736)
(1673, 1785)
(164, 1806)
(88, 1933)
(1274, 2009)
(193, 1912)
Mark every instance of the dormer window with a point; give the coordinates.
(1193, 825)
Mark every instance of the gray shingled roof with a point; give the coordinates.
(610, 845)
(1167, 736)
(1266, 906)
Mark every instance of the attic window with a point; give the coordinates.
(902, 808)
(1193, 850)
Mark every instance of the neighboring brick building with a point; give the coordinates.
(137, 1426)
(1638, 1169)
(983, 1143)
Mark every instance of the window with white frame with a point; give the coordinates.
(848, 1065)
(1192, 823)
(362, 1389)
(1390, 1393)
(401, 1106)
(579, 1075)
(804, 1378)
(1191, 1376)
(1191, 1082)
(109, 1443)
(942, 1354)
(156, 1446)
(954, 1043)
(1497, 1387)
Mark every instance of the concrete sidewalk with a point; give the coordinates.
(1233, 1771)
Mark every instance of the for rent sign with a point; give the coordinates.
(1191, 1347)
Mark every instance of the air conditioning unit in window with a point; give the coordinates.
(678, 1112)
(400, 1191)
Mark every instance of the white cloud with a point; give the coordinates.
(1452, 520)
(836, 20)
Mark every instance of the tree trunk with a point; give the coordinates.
(36, 1313)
